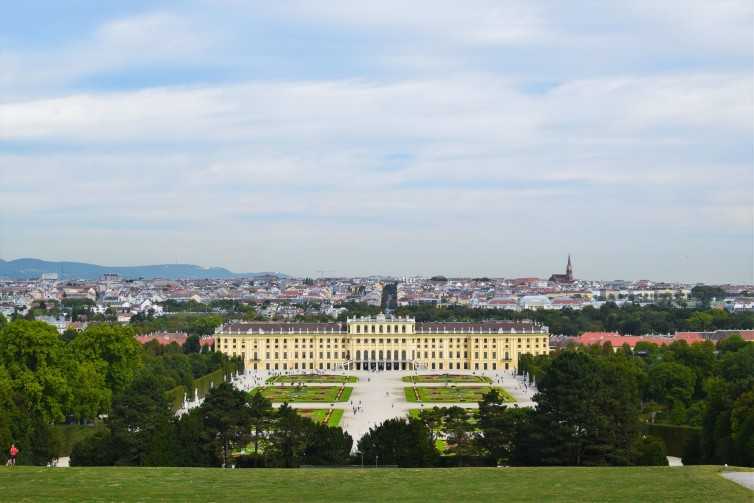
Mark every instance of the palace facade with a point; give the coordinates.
(382, 343)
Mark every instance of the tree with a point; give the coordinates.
(671, 383)
(113, 349)
(192, 344)
(399, 441)
(32, 353)
(261, 416)
(649, 451)
(195, 441)
(701, 321)
(505, 432)
(457, 430)
(89, 393)
(228, 418)
(287, 441)
(204, 325)
(138, 418)
(432, 419)
(326, 445)
(587, 412)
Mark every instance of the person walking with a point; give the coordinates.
(13, 452)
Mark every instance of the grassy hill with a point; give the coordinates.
(645, 484)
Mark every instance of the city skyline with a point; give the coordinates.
(465, 139)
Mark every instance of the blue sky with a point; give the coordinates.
(458, 138)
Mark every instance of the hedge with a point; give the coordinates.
(202, 384)
(676, 438)
(175, 396)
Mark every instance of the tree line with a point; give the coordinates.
(628, 319)
(593, 408)
(47, 378)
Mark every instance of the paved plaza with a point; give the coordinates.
(378, 396)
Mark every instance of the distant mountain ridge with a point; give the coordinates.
(25, 268)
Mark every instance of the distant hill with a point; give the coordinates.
(25, 268)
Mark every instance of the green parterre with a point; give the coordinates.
(452, 394)
(313, 378)
(330, 417)
(294, 394)
(447, 378)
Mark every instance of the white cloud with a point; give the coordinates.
(446, 124)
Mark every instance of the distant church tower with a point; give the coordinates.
(564, 278)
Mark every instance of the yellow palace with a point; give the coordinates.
(382, 343)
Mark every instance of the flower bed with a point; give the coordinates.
(305, 393)
(448, 378)
(456, 394)
(313, 378)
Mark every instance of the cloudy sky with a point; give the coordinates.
(413, 137)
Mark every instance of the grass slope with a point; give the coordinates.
(646, 484)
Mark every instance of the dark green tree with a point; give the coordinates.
(404, 442)
(138, 418)
(649, 451)
(287, 441)
(262, 415)
(192, 344)
(327, 445)
(228, 419)
(587, 411)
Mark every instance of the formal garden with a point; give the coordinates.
(330, 417)
(293, 394)
(313, 379)
(447, 378)
(452, 394)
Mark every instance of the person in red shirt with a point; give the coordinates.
(13, 452)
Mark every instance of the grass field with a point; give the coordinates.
(292, 394)
(640, 484)
(314, 378)
(447, 378)
(452, 394)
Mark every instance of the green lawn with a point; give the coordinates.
(447, 378)
(452, 394)
(314, 378)
(305, 393)
(641, 484)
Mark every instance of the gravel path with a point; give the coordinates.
(746, 479)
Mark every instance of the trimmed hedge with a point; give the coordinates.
(676, 438)
(175, 396)
(202, 385)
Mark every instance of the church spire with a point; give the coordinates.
(569, 269)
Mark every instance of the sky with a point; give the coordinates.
(468, 138)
